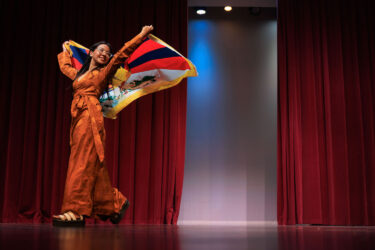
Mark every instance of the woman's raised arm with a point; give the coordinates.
(121, 55)
(66, 64)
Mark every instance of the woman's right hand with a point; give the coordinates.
(64, 45)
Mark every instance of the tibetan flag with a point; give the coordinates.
(152, 67)
(78, 54)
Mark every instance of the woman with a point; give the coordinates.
(88, 190)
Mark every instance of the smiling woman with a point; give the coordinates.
(100, 54)
(88, 190)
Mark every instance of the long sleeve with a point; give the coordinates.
(66, 65)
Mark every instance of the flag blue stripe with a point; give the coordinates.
(153, 55)
(79, 54)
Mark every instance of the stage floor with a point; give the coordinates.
(105, 237)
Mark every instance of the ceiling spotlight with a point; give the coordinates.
(201, 10)
(228, 8)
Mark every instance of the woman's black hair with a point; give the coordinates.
(87, 62)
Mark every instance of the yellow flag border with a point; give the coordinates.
(152, 88)
(146, 90)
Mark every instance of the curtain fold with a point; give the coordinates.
(145, 146)
(326, 112)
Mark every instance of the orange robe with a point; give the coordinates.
(88, 190)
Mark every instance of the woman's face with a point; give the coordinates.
(101, 54)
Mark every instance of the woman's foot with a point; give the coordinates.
(68, 219)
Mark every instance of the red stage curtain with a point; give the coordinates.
(324, 238)
(145, 145)
(326, 112)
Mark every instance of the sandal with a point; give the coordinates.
(117, 217)
(68, 219)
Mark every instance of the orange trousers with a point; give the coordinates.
(88, 189)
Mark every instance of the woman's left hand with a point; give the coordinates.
(146, 29)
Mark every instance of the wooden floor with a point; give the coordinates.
(125, 237)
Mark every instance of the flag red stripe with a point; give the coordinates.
(76, 64)
(145, 47)
(173, 63)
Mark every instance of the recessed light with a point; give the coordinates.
(228, 8)
(201, 10)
